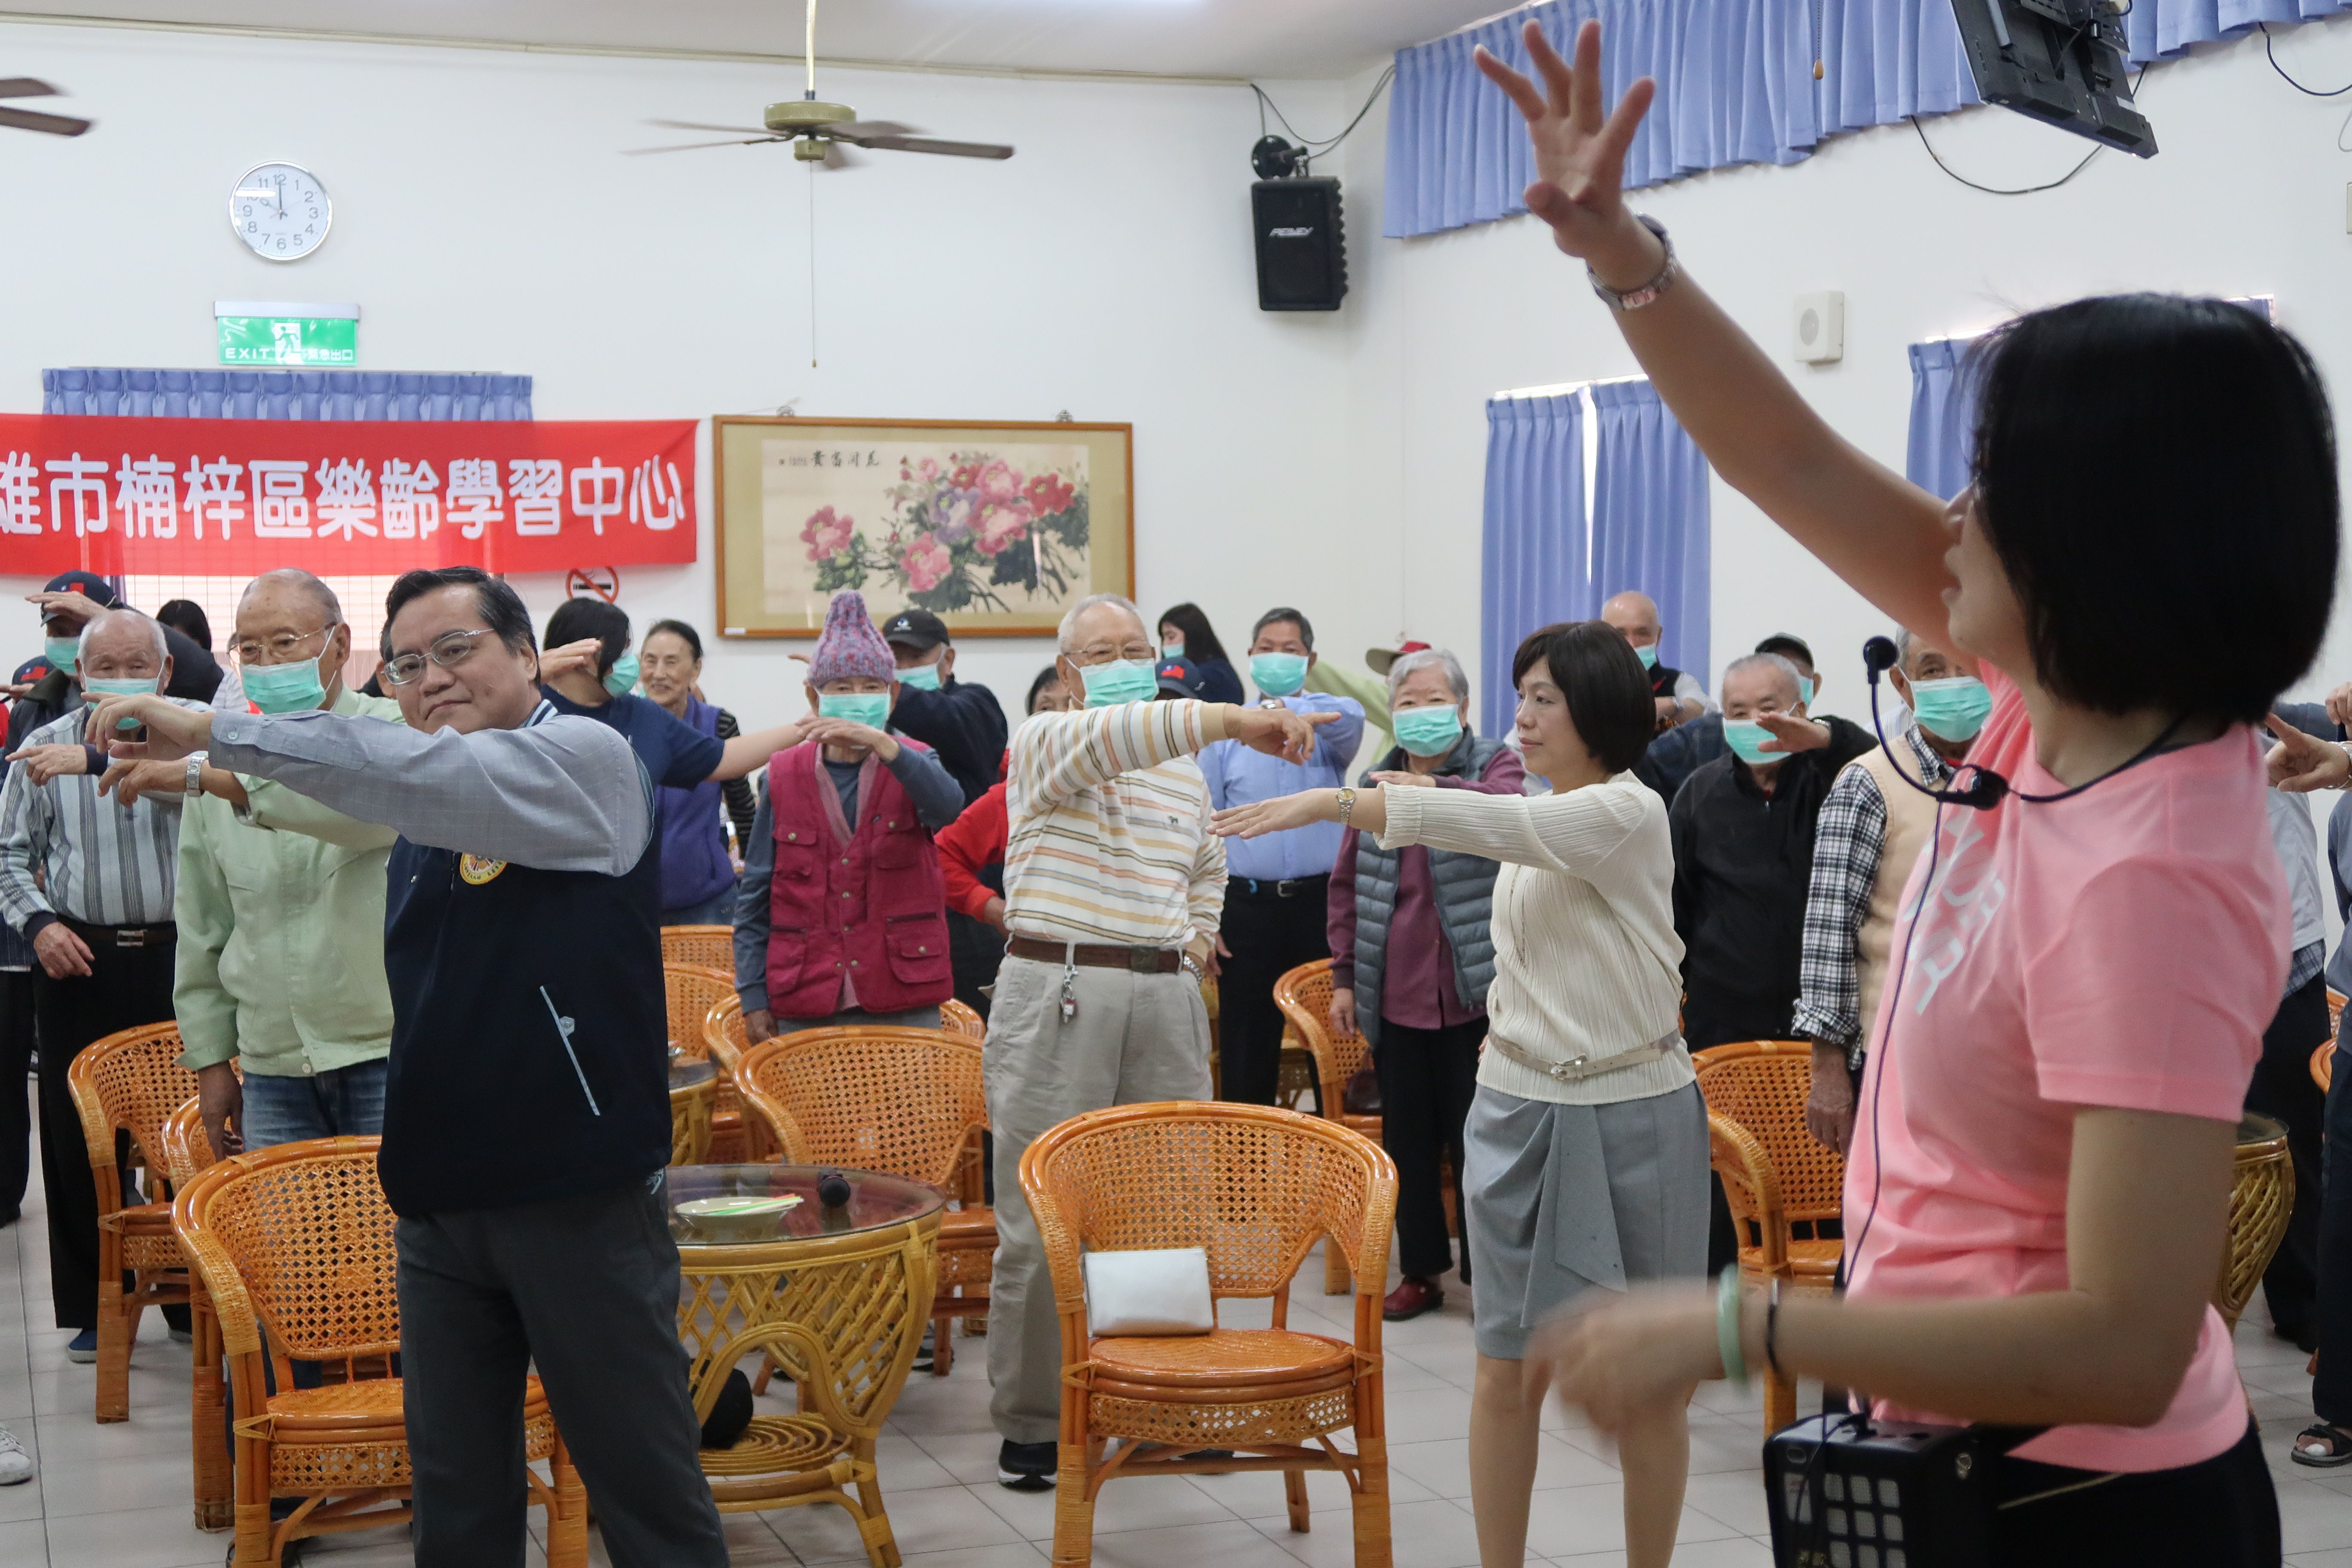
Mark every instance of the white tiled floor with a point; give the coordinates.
(118, 1496)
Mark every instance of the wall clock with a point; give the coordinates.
(280, 211)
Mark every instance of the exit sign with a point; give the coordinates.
(265, 333)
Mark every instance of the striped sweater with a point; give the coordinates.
(1108, 835)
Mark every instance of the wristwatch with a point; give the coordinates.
(1346, 800)
(195, 785)
(1635, 299)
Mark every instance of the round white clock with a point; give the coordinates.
(280, 211)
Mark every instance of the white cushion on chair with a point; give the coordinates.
(1147, 1293)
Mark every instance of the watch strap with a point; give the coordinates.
(1647, 294)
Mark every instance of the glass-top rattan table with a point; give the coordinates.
(693, 1090)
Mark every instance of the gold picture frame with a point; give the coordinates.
(996, 527)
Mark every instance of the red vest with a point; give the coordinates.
(868, 907)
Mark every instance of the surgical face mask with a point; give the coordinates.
(1648, 654)
(283, 687)
(124, 685)
(1427, 731)
(64, 653)
(871, 709)
(623, 675)
(1805, 690)
(1952, 709)
(1171, 648)
(1747, 739)
(1277, 674)
(921, 677)
(1121, 680)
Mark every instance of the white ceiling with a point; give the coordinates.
(1161, 37)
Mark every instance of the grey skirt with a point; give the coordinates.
(1563, 1198)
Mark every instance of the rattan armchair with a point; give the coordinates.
(908, 1102)
(295, 1245)
(958, 1019)
(723, 1035)
(692, 990)
(2261, 1197)
(705, 947)
(186, 1152)
(1255, 1186)
(1304, 994)
(2323, 1064)
(128, 1083)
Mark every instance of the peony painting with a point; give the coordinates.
(994, 529)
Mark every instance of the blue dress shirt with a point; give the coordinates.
(1239, 776)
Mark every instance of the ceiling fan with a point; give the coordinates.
(55, 124)
(819, 131)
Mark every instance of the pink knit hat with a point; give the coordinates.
(849, 646)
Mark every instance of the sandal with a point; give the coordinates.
(2322, 1446)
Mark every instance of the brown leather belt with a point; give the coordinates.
(159, 936)
(1098, 955)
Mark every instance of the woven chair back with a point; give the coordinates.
(2323, 1065)
(897, 1101)
(131, 1080)
(958, 1019)
(186, 1148)
(722, 1031)
(1304, 994)
(691, 990)
(1760, 1086)
(1252, 1185)
(706, 947)
(2262, 1196)
(306, 1229)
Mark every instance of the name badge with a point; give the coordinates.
(477, 869)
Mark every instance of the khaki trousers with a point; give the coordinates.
(1135, 1037)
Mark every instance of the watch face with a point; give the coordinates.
(280, 211)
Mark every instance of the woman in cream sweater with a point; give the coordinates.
(1587, 1149)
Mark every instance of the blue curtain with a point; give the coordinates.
(1532, 563)
(1883, 60)
(285, 394)
(1943, 417)
(2159, 29)
(1650, 518)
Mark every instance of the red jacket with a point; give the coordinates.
(856, 920)
(969, 848)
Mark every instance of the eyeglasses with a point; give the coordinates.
(448, 650)
(279, 649)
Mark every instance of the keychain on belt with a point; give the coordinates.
(1070, 987)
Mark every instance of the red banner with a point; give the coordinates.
(234, 497)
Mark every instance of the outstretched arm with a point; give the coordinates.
(1884, 535)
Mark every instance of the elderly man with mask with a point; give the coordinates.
(1678, 695)
(1097, 1002)
(69, 602)
(526, 1120)
(1871, 828)
(90, 887)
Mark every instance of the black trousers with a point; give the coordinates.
(2282, 1088)
(1269, 935)
(127, 986)
(586, 1290)
(2219, 1513)
(15, 1094)
(2331, 1387)
(1428, 1078)
(975, 950)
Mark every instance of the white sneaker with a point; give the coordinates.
(16, 1465)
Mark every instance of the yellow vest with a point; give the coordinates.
(1910, 822)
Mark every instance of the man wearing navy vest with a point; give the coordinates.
(526, 1120)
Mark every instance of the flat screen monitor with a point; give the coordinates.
(2059, 60)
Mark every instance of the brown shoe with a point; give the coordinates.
(1410, 1300)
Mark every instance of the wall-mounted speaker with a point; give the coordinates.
(1302, 248)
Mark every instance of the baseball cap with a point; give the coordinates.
(1379, 659)
(1783, 643)
(36, 667)
(916, 629)
(89, 584)
(1181, 677)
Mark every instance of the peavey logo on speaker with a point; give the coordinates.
(1289, 233)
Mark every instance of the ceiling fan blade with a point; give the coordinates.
(932, 144)
(838, 156)
(700, 125)
(860, 130)
(688, 146)
(26, 86)
(55, 124)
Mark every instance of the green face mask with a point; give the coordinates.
(921, 677)
(63, 653)
(871, 709)
(1805, 690)
(1954, 708)
(1427, 731)
(1121, 680)
(124, 685)
(1277, 674)
(1747, 739)
(623, 675)
(283, 687)
(1648, 654)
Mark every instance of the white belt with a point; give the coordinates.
(1584, 1066)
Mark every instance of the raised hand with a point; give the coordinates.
(1580, 154)
(1277, 732)
(1790, 733)
(173, 731)
(43, 764)
(2302, 762)
(127, 780)
(1279, 815)
(580, 657)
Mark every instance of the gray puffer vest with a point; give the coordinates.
(1465, 885)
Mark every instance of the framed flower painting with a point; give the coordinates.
(996, 529)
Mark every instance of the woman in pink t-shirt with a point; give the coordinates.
(2039, 1187)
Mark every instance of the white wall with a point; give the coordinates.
(485, 221)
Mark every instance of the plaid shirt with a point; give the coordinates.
(1848, 843)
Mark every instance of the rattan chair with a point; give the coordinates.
(908, 1102)
(1776, 1176)
(2262, 1196)
(705, 947)
(2323, 1062)
(1304, 994)
(1255, 1186)
(187, 1152)
(295, 1245)
(958, 1019)
(722, 1034)
(129, 1082)
(692, 990)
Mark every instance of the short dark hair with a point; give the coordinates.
(501, 607)
(1608, 692)
(1049, 675)
(577, 619)
(1276, 616)
(2146, 462)
(1788, 647)
(187, 617)
(1200, 638)
(682, 632)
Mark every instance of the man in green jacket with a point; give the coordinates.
(280, 906)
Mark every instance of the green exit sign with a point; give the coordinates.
(265, 333)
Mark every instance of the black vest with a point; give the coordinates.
(1664, 679)
(529, 1032)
